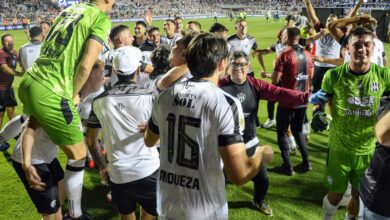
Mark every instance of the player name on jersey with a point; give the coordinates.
(179, 180)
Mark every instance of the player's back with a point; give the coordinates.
(120, 111)
(28, 53)
(191, 117)
(64, 46)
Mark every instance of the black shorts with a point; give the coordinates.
(7, 99)
(47, 201)
(142, 191)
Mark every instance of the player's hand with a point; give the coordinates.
(76, 100)
(255, 53)
(104, 174)
(318, 98)
(263, 74)
(320, 121)
(33, 179)
(142, 127)
(324, 31)
(267, 154)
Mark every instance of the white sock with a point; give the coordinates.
(12, 129)
(328, 210)
(73, 180)
(292, 143)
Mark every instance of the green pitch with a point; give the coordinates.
(297, 197)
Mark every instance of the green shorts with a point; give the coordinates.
(57, 115)
(342, 168)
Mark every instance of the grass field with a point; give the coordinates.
(297, 197)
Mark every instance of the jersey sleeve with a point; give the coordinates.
(3, 59)
(152, 124)
(254, 45)
(93, 121)
(279, 64)
(101, 28)
(287, 97)
(327, 83)
(230, 120)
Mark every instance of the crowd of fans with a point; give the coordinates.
(31, 9)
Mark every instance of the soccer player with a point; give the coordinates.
(199, 125)
(249, 91)
(354, 91)
(67, 55)
(293, 68)
(179, 24)
(139, 33)
(326, 47)
(45, 25)
(170, 30)
(43, 158)
(29, 52)
(194, 26)
(132, 167)
(241, 41)
(8, 61)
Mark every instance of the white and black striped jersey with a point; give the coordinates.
(29, 53)
(170, 41)
(108, 60)
(119, 111)
(245, 45)
(193, 119)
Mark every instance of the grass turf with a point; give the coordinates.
(297, 197)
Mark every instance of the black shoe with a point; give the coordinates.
(85, 216)
(286, 170)
(303, 167)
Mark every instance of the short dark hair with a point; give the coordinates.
(4, 36)
(217, 27)
(196, 23)
(171, 20)
(160, 61)
(293, 32)
(204, 53)
(35, 32)
(238, 54)
(45, 22)
(141, 23)
(115, 31)
(178, 17)
(359, 31)
(152, 29)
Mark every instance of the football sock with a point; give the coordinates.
(73, 180)
(328, 210)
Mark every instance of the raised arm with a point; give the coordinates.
(355, 9)
(311, 12)
(335, 26)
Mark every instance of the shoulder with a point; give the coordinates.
(232, 37)
(250, 37)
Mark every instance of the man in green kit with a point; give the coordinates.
(354, 90)
(49, 90)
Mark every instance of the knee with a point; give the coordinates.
(334, 198)
(75, 151)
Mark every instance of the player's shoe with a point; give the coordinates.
(91, 164)
(269, 123)
(85, 216)
(304, 167)
(263, 207)
(283, 169)
(4, 146)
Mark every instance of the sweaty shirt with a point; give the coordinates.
(64, 46)
(355, 101)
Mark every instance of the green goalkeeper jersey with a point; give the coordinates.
(64, 46)
(355, 102)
